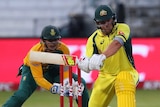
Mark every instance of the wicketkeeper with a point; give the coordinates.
(36, 74)
(109, 50)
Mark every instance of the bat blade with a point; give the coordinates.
(53, 58)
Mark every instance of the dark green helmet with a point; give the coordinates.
(50, 33)
(103, 13)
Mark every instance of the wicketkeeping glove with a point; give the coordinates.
(66, 82)
(77, 89)
(55, 89)
(83, 64)
(96, 61)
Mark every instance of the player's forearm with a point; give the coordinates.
(112, 48)
(43, 83)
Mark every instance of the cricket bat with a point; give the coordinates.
(53, 58)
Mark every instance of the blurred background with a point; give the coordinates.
(21, 23)
(26, 18)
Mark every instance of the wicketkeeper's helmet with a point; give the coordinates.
(103, 13)
(50, 33)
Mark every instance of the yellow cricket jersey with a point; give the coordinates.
(119, 61)
(36, 68)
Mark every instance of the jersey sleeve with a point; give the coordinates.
(89, 45)
(37, 72)
(36, 68)
(123, 32)
(64, 48)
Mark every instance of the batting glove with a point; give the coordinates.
(96, 61)
(83, 64)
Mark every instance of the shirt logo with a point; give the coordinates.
(120, 33)
(102, 42)
(24, 78)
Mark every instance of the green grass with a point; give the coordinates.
(145, 98)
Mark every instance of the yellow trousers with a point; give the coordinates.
(106, 86)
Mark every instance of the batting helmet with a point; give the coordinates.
(50, 33)
(103, 13)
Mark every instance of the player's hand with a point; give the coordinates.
(83, 64)
(55, 89)
(77, 89)
(96, 61)
(66, 82)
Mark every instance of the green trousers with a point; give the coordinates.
(28, 86)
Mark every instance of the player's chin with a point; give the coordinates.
(52, 48)
(106, 32)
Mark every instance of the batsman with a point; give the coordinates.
(47, 76)
(109, 50)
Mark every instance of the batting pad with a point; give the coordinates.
(125, 90)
